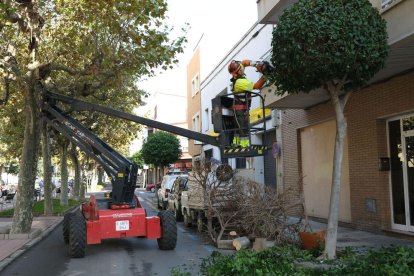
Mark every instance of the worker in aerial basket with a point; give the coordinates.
(241, 86)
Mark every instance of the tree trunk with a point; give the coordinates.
(100, 174)
(1, 173)
(76, 165)
(156, 178)
(341, 126)
(210, 228)
(23, 216)
(82, 184)
(64, 174)
(241, 243)
(47, 171)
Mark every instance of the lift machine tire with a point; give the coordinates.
(66, 221)
(77, 236)
(168, 239)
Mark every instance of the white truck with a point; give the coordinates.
(193, 204)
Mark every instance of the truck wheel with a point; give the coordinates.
(77, 236)
(187, 219)
(152, 190)
(178, 215)
(66, 221)
(168, 238)
(200, 222)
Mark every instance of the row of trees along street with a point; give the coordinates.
(99, 49)
(93, 50)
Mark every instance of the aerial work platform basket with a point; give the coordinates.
(230, 127)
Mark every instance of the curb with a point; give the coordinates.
(6, 261)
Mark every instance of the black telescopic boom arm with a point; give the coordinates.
(123, 172)
(78, 105)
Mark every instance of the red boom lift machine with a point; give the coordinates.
(121, 215)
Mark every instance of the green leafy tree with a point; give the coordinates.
(161, 149)
(336, 46)
(138, 159)
(11, 129)
(78, 48)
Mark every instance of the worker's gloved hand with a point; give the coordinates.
(248, 62)
(264, 67)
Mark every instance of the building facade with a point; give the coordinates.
(378, 166)
(194, 101)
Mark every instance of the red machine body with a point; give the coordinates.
(118, 222)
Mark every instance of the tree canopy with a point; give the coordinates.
(317, 41)
(96, 49)
(161, 149)
(138, 159)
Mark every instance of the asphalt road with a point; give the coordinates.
(129, 256)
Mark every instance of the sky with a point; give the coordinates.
(220, 23)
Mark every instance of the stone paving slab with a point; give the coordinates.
(8, 247)
(12, 245)
(348, 237)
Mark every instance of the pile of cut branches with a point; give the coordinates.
(265, 213)
(247, 207)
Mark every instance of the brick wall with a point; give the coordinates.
(366, 112)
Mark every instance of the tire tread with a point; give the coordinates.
(168, 240)
(77, 236)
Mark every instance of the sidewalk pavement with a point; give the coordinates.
(12, 246)
(363, 241)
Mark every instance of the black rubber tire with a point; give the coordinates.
(66, 221)
(186, 219)
(200, 223)
(178, 214)
(168, 239)
(77, 236)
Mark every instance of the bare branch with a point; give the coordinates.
(345, 99)
(69, 70)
